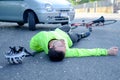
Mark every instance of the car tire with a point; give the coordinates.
(20, 23)
(31, 21)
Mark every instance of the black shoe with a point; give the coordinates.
(84, 35)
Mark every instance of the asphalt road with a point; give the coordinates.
(40, 68)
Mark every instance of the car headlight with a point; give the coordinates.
(48, 7)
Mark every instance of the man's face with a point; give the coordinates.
(58, 45)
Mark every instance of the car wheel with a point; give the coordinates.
(31, 21)
(20, 23)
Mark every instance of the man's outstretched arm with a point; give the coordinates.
(76, 52)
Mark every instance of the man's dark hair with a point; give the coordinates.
(55, 55)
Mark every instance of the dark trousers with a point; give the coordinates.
(74, 36)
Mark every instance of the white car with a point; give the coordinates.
(36, 11)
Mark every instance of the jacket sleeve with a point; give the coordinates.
(75, 52)
(34, 45)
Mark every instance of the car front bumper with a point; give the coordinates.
(55, 17)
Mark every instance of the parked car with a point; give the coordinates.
(36, 11)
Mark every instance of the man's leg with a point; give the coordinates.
(75, 37)
(65, 28)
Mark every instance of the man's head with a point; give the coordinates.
(57, 50)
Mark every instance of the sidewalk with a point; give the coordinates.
(96, 15)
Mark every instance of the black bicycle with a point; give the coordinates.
(96, 23)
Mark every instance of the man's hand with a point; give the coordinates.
(113, 51)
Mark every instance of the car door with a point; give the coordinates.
(11, 10)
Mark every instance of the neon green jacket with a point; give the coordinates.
(40, 41)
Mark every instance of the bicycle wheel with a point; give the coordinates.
(108, 22)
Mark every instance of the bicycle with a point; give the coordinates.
(96, 23)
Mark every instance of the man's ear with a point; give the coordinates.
(50, 46)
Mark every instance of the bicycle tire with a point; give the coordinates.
(108, 22)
